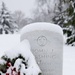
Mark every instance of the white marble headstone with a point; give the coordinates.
(47, 46)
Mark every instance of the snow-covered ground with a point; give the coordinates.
(68, 53)
(8, 41)
(68, 60)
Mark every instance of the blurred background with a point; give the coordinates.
(15, 14)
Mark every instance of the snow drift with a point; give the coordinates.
(20, 60)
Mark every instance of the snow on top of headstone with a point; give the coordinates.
(42, 26)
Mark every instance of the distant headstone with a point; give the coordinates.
(47, 45)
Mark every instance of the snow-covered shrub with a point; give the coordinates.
(19, 61)
(66, 19)
(7, 23)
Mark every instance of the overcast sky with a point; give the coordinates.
(24, 5)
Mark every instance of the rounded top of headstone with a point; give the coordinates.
(42, 26)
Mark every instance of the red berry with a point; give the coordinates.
(7, 73)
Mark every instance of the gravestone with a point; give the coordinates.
(47, 45)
